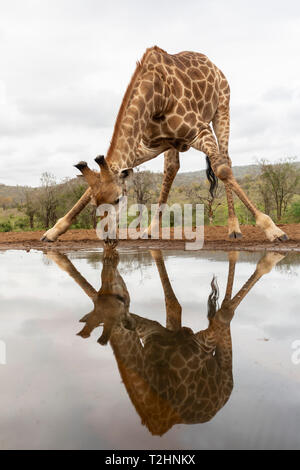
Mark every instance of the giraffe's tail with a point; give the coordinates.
(213, 180)
(212, 303)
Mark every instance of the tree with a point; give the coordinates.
(281, 181)
(266, 196)
(197, 193)
(142, 185)
(211, 203)
(5, 202)
(48, 200)
(30, 205)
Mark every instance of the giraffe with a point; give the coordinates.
(171, 374)
(168, 107)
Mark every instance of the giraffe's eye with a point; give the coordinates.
(116, 201)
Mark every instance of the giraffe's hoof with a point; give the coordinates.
(53, 233)
(145, 235)
(283, 238)
(235, 235)
(111, 243)
(46, 239)
(268, 262)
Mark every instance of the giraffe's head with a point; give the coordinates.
(109, 311)
(107, 187)
(111, 304)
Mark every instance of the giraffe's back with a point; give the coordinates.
(185, 376)
(195, 88)
(169, 376)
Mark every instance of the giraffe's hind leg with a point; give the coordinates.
(221, 126)
(234, 230)
(206, 143)
(171, 167)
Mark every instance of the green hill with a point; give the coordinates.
(184, 178)
(238, 171)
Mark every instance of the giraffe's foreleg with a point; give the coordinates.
(206, 143)
(63, 224)
(63, 262)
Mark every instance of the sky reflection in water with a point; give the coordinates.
(61, 391)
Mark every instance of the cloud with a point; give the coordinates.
(71, 107)
(65, 65)
(279, 94)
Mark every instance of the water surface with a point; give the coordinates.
(60, 391)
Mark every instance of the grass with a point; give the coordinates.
(13, 220)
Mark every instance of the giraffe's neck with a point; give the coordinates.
(123, 151)
(134, 115)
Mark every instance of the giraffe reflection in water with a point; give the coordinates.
(172, 375)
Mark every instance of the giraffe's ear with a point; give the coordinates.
(126, 174)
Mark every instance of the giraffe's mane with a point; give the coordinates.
(127, 95)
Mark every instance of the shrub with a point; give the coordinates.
(21, 224)
(6, 226)
(294, 212)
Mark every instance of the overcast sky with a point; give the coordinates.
(65, 64)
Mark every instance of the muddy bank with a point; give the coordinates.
(216, 238)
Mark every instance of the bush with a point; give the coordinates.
(21, 224)
(294, 212)
(6, 226)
